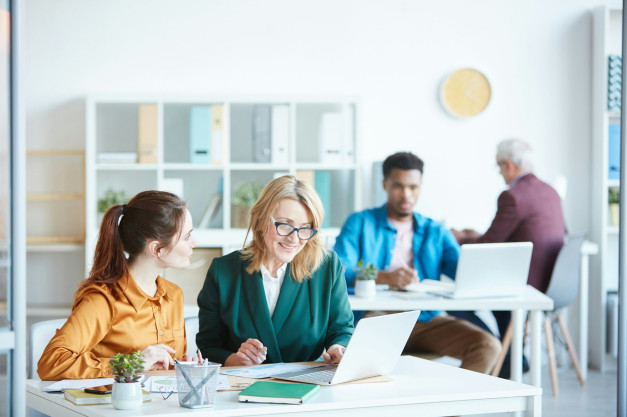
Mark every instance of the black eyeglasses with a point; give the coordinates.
(286, 229)
(165, 393)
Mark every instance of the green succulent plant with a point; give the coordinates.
(613, 196)
(127, 368)
(247, 193)
(365, 271)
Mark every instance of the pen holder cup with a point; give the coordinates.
(197, 385)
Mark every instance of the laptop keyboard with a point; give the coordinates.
(315, 375)
(318, 376)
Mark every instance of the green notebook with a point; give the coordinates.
(80, 397)
(278, 393)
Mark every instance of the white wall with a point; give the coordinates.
(393, 54)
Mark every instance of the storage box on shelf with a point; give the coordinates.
(607, 29)
(217, 152)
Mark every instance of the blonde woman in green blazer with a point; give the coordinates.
(283, 297)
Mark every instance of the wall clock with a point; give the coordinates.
(465, 93)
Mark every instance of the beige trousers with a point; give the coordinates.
(450, 336)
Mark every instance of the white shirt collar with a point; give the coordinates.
(280, 272)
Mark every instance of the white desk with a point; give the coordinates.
(419, 387)
(532, 300)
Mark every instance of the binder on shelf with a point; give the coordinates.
(262, 139)
(199, 134)
(147, 133)
(614, 152)
(280, 133)
(330, 138)
(322, 184)
(614, 86)
(306, 175)
(212, 211)
(217, 134)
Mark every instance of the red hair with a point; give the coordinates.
(126, 229)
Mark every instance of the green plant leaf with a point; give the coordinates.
(125, 367)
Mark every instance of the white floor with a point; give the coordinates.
(596, 399)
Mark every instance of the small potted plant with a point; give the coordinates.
(127, 390)
(245, 196)
(366, 275)
(111, 198)
(614, 200)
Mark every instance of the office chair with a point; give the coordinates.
(563, 289)
(191, 328)
(40, 335)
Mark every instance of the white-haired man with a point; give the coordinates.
(528, 211)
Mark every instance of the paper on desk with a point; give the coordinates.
(77, 384)
(168, 383)
(267, 371)
(429, 284)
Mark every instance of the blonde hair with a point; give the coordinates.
(313, 253)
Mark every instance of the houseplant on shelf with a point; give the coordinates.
(127, 390)
(245, 196)
(366, 275)
(111, 198)
(614, 200)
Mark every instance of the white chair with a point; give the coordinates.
(40, 335)
(191, 328)
(563, 289)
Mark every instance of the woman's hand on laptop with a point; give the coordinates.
(251, 352)
(334, 354)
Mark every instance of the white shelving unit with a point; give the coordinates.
(607, 28)
(112, 126)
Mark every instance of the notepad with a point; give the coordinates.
(278, 393)
(80, 397)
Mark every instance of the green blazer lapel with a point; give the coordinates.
(287, 297)
(260, 315)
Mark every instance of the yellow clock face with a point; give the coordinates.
(465, 93)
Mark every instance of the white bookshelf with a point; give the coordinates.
(112, 123)
(607, 36)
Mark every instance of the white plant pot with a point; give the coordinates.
(365, 288)
(127, 396)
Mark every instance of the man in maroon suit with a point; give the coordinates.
(529, 211)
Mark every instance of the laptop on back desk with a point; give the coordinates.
(489, 270)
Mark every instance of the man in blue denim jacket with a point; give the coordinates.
(407, 247)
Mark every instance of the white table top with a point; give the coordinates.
(532, 299)
(416, 382)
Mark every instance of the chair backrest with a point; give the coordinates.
(564, 284)
(191, 328)
(40, 335)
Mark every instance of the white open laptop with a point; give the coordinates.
(486, 270)
(373, 350)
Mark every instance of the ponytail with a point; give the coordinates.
(125, 230)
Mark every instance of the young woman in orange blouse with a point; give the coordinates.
(124, 305)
